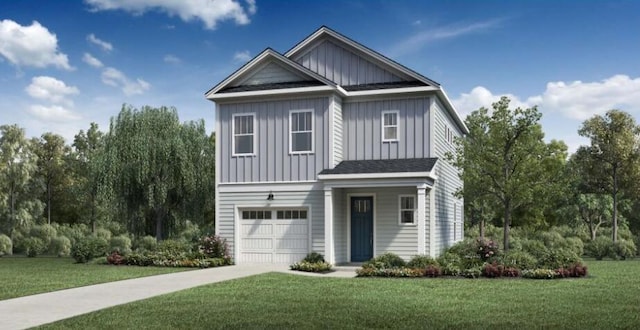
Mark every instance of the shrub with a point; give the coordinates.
(74, 232)
(115, 258)
(88, 248)
(511, 272)
(103, 233)
(314, 257)
(34, 246)
(534, 247)
(599, 247)
(43, 232)
(315, 267)
(6, 247)
(473, 272)
(558, 258)
(492, 270)
(173, 247)
(17, 238)
(60, 246)
(138, 259)
(432, 270)
(121, 243)
(387, 260)
(389, 272)
(487, 249)
(421, 262)
(519, 259)
(539, 273)
(467, 252)
(214, 246)
(578, 270)
(146, 243)
(450, 263)
(622, 249)
(574, 244)
(190, 233)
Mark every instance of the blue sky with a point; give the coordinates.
(64, 64)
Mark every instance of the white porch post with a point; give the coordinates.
(432, 223)
(422, 219)
(328, 226)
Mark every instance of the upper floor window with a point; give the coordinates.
(449, 134)
(243, 134)
(301, 128)
(407, 209)
(390, 125)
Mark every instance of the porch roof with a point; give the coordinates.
(413, 165)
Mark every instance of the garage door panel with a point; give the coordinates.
(288, 258)
(257, 257)
(261, 228)
(257, 244)
(299, 244)
(292, 228)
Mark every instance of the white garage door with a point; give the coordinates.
(274, 235)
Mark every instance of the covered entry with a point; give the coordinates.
(274, 235)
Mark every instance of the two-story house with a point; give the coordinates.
(337, 149)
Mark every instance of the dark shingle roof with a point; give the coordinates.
(387, 85)
(383, 166)
(263, 87)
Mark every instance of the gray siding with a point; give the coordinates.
(271, 73)
(390, 236)
(448, 181)
(340, 226)
(343, 66)
(229, 201)
(363, 129)
(337, 132)
(272, 161)
(427, 220)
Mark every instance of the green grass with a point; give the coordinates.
(22, 276)
(608, 298)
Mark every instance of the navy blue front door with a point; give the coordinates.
(361, 228)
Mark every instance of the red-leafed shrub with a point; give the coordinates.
(432, 271)
(492, 270)
(511, 272)
(115, 258)
(563, 272)
(578, 270)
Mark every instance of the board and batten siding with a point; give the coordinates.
(390, 236)
(314, 199)
(272, 161)
(343, 66)
(448, 181)
(337, 132)
(362, 127)
(271, 73)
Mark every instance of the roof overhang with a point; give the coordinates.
(270, 92)
(390, 175)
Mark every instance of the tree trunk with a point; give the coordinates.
(592, 231)
(615, 204)
(159, 220)
(507, 223)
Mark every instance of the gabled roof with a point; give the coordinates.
(267, 55)
(412, 165)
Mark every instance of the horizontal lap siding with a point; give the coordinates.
(390, 236)
(340, 226)
(315, 199)
(343, 66)
(448, 181)
(272, 161)
(362, 127)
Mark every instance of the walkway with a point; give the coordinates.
(31, 311)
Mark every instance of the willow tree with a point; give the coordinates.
(613, 155)
(19, 205)
(506, 163)
(152, 167)
(51, 151)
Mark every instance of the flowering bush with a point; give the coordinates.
(432, 271)
(314, 267)
(540, 273)
(389, 272)
(214, 246)
(115, 258)
(487, 249)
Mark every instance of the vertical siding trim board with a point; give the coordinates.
(329, 248)
(421, 220)
(432, 128)
(332, 123)
(216, 193)
(432, 223)
(375, 217)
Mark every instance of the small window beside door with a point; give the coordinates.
(407, 209)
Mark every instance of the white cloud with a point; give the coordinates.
(106, 46)
(207, 11)
(422, 38)
(241, 56)
(169, 58)
(51, 89)
(575, 100)
(54, 113)
(31, 45)
(116, 78)
(94, 62)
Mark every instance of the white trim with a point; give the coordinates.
(415, 210)
(391, 91)
(233, 134)
(397, 125)
(432, 127)
(377, 175)
(332, 102)
(421, 220)
(373, 247)
(432, 223)
(389, 182)
(329, 244)
(303, 152)
(452, 111)
(271, 92)
(218, 125)
(238, 217)
(269, 186)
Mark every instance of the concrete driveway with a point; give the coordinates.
(31, 311)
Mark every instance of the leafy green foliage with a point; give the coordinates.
(386, 260)
(121, 244)
(146, 243)
(450, 263)
(519, 260)
(622, 249)
(60, 246)
(6, 246)
(34, 246)
(599, 247)
(311, 266)
(44, 232)
(214, 246)
(421, 262)
(88, 248)
(314, 257)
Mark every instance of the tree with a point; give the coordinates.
(612, 156)
(90, 172)
(152, 165)
(506, 162)
(51, 151)
(18, 188)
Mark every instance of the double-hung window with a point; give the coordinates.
(243, 134)
(390, 127)
(301, 131)
(407, 209)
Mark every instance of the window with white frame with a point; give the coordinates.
(243, 134)
(407, 209)
(301, 131)
(390, 127)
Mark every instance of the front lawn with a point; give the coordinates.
(608, 298)
(25, 276)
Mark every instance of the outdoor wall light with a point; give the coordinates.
(270, 197)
